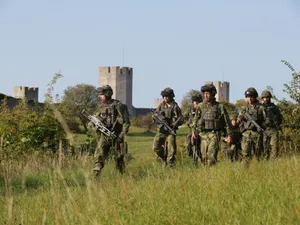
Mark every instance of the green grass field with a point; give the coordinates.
(44, 190)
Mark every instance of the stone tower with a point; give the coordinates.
(120, 80)
(31, 93)
(222, 90)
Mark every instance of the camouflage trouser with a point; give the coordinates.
(209, 147)
(252, 144)
(193, 147)
(271, 143)
(104, 146)
(230, 152)
(164, 145)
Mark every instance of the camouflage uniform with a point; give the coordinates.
(189, 144)
(126, 118)
(252, 140)
(272, 124)
(172, 115)
(232, 151)
(212, 120)
(111, 113)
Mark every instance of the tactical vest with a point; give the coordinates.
(168, 112)
(272, 115)
(108, 113)
(211, 118)
(254, 114)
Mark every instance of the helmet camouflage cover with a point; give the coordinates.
(197, 97)
(167, 92)
(209, 88)
(105, 90)
(266, 94)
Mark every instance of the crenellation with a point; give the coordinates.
(121, 81)
(30, 93)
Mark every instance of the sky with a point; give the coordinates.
(168, 43)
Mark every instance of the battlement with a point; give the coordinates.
(115, 70)
(31, 93)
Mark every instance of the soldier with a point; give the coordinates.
(188, 117)
(252, 137)
(126, 118)
(272, 124)
(164, 143)
(212, 120)
(111, 113)
(231, 151)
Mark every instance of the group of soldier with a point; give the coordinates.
(247, 132)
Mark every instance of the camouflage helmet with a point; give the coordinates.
(233, 116)
(209, 88)
(167, 92)
(266, 94)
(105, 90)
(251, 92)
(197, 97)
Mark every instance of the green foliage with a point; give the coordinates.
(149, 193)
(290, 111)
(75, 100)
(145, 121)
(229, 107)
(27, 129)
(293, 88)
(241, 102)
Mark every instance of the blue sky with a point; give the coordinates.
(180, 44)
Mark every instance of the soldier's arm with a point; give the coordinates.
(263, 112)
(196, 118)
(178, 116)
(126, 117)
(226, 120)
(122, 117)
(186, 115)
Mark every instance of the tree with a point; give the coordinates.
(187, 99)
(75, 100)
(293, 88)
(146, 121)
(229, 106)
(241, 102)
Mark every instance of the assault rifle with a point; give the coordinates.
(249, 118)
(158, 119)
(98, 124)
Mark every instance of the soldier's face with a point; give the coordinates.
(102, 97)
(207, 96)
(251, 99)
(195, 104)
(166, 99)
(233, 122)
(266, 99)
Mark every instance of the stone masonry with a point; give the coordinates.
(31, 93)
(120, 80)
